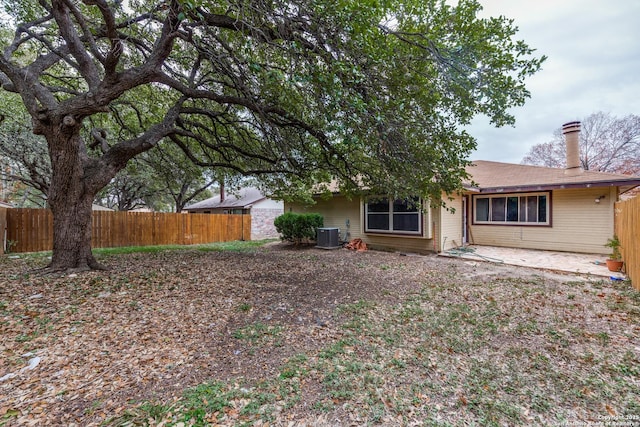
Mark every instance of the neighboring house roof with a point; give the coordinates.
(245, 198)
(5, 205)
(491, 177)
(100, 208)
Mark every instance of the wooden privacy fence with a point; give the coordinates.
(627, 227)
(31, 230)
(3, 228)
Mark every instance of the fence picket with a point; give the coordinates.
(627, 228)
(3, 228)
(31, 230)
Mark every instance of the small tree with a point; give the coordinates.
(614, 245)
(297, 228)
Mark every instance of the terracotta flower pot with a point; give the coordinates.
(614, 264)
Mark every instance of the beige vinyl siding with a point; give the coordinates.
(338, 212)
(450, 235)
(338, 209)
(400, 243)
(578, 225)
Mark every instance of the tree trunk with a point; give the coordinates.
(75, 180)
(72, 235)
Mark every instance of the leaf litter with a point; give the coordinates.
(301, 336)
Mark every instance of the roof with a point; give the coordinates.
(245, 198)
(93, 207)
(100, 208)
(497, 177)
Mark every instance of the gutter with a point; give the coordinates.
(542, 187)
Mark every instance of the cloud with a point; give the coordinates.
(593, 61)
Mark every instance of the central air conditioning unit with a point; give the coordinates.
(328, 238)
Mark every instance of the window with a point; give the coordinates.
(235, 211)
(523, 209)
(393, 216)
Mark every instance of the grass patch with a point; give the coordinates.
(257, 332)
(220, 403)
(358, 308)
(199, 406)
(244, 307)
(235, 246)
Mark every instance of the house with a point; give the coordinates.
(248, 201)
(508, 205)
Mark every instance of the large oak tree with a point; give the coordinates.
(301, 90)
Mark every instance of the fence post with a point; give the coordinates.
(3, 229)
(246, 227)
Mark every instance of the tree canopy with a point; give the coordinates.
(162, 179)
(607, 144)
(369, 92)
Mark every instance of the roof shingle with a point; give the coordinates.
(496, 176)
(244, 199)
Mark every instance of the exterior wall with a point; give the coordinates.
(269, 204)
(348, 216)
(338, 212)
(262, 223)
(449, 234)
(263, 214)
(578, 224)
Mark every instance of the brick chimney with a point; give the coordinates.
(571, 132)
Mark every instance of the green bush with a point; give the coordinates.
(297, 228)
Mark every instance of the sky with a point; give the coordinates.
(593, 50)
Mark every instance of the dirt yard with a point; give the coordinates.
(286, 336)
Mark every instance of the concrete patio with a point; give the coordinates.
(585, 264)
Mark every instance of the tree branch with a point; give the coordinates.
(110, 27)
(61, 10)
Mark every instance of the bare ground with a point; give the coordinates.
(310, 337)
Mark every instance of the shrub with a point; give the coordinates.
(297, 228)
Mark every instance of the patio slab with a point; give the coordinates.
(586, 264)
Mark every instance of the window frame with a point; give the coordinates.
(519, 204)
(390, 214)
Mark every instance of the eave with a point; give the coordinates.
(545, 187)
